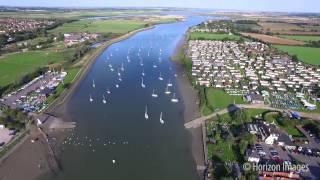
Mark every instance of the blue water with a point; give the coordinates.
(142, 149)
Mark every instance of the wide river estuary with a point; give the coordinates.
(128, 125)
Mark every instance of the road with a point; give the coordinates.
(199, 121)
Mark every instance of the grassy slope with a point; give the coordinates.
(212, 36)
(14, 66)
(306, 54)
(100, 26)
(302, 38)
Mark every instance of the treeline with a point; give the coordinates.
(13, 119)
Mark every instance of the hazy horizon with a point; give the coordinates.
(312, 6)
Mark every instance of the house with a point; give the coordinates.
(255, 98)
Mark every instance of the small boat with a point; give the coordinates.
(111, 69)
(161, 120)
(148, 53)
(160, 77)
(122, 67)
(90, 98)
(142, 84)
(167, 90)
(169, 83)
(154, 94)
(141, 63)
(111, 55)
(119, 74)
(175, 75)
(108, 91)
(174, 99)
(120, 79)
(117, 85)
(154, 65)
(143, 74)
(113, 161)
(110, 65)
(104, 101)
(93, 84)
(146, 116)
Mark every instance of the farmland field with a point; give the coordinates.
(212, 36)
(308, 55)
(302, 38)
(273, 39)
(100, 26)
(14, 66)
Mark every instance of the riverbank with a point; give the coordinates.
(191, 103)
(32, 160)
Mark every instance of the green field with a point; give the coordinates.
(308, 55)
(67, 80)
(100, 26)
(75, 14)
(14, 66)
(218, 99)
(212, 36)
(301, 38)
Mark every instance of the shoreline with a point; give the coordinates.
(191, 102)
(34, 160)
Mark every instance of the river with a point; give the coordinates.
(114, 140)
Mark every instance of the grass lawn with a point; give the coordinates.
(218, 99)
(212, 36)
(222, 150)
(14, 66)
(100, 26)
(308, 55)
(67, 80)
(286, 125)
(301, 38)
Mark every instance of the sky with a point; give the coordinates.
(246, 5)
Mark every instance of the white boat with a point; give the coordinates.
(161, 120)
(154, 65)
(154, 94)
(117, 85)
(108, 91)
(167, 90)
(160, 77)
(90, 98)
(104, 101)
(122, 67)
(128, 58)
(120, 79)
(93, 84)
(119, 74)
(113, 161)
(141, 63)
(110, 65)
(143, 74)
(169, 83)
(142, 84)
(146, 116)
(148, 53)
(174, 99)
